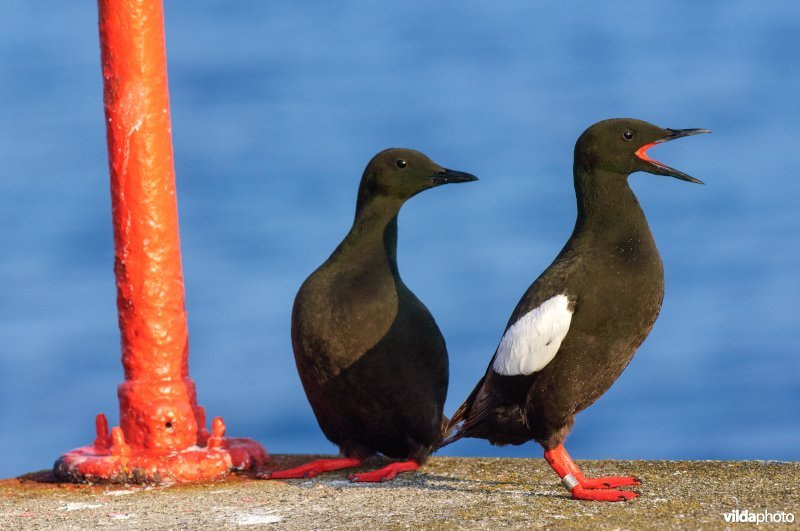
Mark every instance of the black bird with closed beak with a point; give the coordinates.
(371, 358)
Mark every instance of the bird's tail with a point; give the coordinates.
(461, 422)
(448, 426)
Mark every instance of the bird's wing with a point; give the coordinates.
(533, 340)
(527, 346)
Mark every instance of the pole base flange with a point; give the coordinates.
(111, 460)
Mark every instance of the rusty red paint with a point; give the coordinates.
(162, 435)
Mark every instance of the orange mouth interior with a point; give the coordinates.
(642, 154)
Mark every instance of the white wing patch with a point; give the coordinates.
(532, 342)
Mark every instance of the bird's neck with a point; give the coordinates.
(607, 207)
(373, 236)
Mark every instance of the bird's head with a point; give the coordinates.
(400, 174)
(620, 146)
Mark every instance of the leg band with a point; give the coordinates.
(570, 482)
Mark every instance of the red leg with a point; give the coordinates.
(309, 470)
(386, 473)
(583, 488)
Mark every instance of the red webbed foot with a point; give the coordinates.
(607, 495)
(309, 470)
(590, 489)
(386, 473)
(609, 482)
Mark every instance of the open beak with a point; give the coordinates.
(445, 176)
(660, 167)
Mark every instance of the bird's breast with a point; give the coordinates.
(339, 318)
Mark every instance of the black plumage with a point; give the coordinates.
(372, 360)
(599, 299)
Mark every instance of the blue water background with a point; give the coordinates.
(277, 106)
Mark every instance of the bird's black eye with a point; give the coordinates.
(400, 163)
(628, 135)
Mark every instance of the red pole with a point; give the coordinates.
(161, 425)
(147, 260)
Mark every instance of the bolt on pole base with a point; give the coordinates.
(111, 460)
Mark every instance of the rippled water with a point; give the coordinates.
(277, 106)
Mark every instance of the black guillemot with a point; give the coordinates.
(578, 325)
(371, 358)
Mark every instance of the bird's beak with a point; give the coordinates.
(445, 176)
(661, 168)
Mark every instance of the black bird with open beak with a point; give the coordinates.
(579, 324)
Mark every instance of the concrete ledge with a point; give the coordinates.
(448, 493)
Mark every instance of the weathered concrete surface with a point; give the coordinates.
(448, 493)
